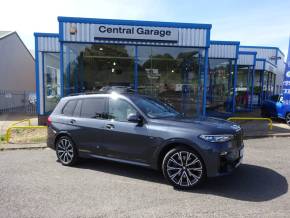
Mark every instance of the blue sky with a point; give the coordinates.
(256, 22)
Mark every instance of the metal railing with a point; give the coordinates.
(14, 126)
(17, 102)
(253, 118)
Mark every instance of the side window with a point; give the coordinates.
(77, 111)
(69, 108)
(119, 109)
(94, 108)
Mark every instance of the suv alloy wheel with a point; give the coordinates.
(287, 118)
(183, 168)
(66, 151)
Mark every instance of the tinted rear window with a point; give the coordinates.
(94, 108)
(69, 108)
(77, 111)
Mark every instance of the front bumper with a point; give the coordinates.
(230, 161)
(226, 157)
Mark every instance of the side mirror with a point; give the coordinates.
(135, 118)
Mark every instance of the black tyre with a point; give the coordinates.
(287, 118)
(264, 113)
(66, 151)
(183, 168)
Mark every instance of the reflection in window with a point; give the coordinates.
(92, 67)
(119, 109)
(219, 85)
(171, 74)
(52, 84)
(244, 82)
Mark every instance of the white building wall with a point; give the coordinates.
(16, 65)
(246, 59)
(265, 53)
(222, 51)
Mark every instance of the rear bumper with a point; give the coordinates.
(51, 136)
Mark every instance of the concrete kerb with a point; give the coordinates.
(5, 146)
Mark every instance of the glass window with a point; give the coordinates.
(94, 108)
(154, 108)
(77, 111)
(69, 108)
(243, 91)
(172, 74)
(120, 109)
(94, 67)
(220, 85)
(52, 84)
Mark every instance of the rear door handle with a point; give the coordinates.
(72, 121)
(110, 126)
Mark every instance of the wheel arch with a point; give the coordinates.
(61, 134)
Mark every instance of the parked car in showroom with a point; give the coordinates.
(144, 131)
(276, 108)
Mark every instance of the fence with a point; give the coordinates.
(17, 101)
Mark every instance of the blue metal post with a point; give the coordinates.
(267, 84)
(199, 81)
(234, 86)
(37, 75)
(205, 82)
(262, 86)
(252, 88)
(248, 84)
(136, 69)
(68, 70)
(274, 85)
(43, 80)
(61, 70)
(76, 79)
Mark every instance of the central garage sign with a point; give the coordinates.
(103, 31)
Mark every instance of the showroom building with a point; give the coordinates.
(170, 61)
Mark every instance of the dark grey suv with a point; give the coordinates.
(141, 130)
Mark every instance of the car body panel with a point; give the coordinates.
(275, 108)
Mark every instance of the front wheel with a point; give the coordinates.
(66, 151)
(183, 168)
(287, 118)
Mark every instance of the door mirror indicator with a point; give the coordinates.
(134, 118)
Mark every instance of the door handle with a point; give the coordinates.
(72, 121)
(110, 126)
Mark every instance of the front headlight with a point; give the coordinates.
(216, 138)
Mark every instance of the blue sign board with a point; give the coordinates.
(286, 82)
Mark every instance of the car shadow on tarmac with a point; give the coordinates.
(247, 183)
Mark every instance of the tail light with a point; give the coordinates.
(49, 120)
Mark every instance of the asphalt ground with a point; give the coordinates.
(34, 184)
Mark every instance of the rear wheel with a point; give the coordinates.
(66, 151)
(287, 118)
(264, 113)
(183, 168)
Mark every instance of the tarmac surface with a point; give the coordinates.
(34, 184)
